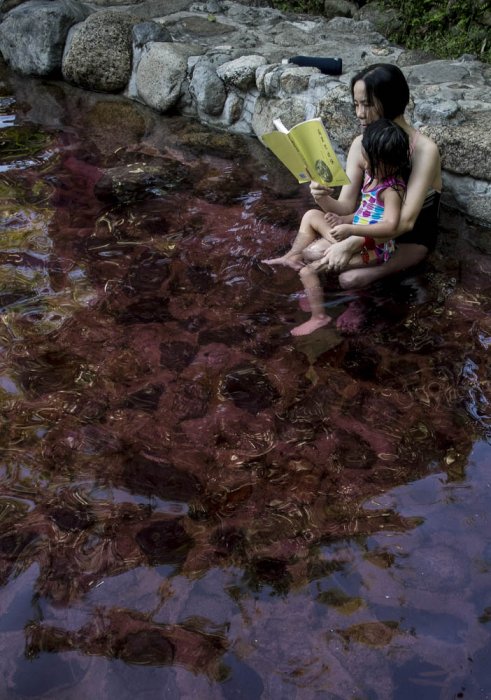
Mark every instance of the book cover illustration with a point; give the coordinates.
(307, 152)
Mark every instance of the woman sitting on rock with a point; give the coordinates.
(381, 90)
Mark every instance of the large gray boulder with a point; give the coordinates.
(469, 195)
(98, 53)
(241, 72)
(465, 148)
(162, 72)
(291, 111)
(207, 88)
(32, 36)
(143, 34)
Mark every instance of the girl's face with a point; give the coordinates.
(366, 113)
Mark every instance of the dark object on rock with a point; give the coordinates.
(330, 66)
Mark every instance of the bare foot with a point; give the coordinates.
(293, 261)
(352, 320)
(311, 325)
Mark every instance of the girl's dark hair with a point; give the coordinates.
(385, 85)
(387, 149)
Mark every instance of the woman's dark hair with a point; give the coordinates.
(387, 149)
(385, 85)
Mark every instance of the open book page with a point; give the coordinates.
(284, 149)
(307, 152)
(313, 142)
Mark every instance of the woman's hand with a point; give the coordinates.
(338, 255)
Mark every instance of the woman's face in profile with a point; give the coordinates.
(366, 112)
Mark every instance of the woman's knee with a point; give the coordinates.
(355, 279)
(406, 256)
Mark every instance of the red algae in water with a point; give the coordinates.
(184, 484)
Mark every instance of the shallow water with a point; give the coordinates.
(194, 504)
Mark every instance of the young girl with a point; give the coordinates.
(385, 151)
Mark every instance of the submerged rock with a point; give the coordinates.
(164, 542)
(127, 183)
(249, 388)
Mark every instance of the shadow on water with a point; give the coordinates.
(192, 502)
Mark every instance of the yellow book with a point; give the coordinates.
(307, 152)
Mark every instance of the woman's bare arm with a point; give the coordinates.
(424, 173)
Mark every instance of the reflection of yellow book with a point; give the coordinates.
(307, 152)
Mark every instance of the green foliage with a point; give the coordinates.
(446, 28)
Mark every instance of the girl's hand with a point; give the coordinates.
(340, 232)
(319, 191)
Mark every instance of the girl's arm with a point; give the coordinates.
(348, 198)
(382, 230)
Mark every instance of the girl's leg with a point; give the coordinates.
(313, 290)
(312, 226)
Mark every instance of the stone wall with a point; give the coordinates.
(221, 62)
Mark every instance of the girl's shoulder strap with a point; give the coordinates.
(395, 183)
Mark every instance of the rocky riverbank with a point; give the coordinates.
(221, 62)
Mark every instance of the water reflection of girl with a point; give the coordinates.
(381, 90)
